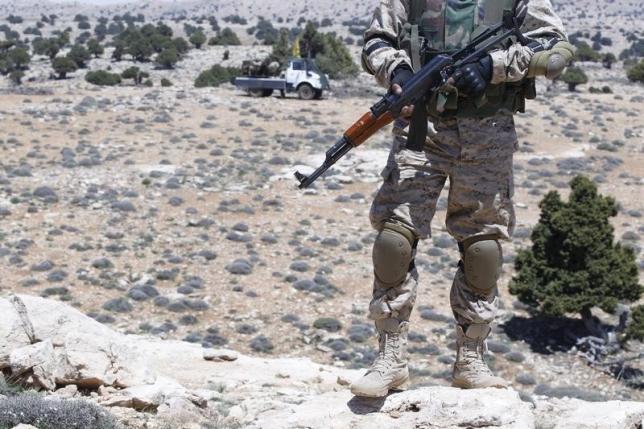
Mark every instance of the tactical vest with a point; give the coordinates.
(445, 26)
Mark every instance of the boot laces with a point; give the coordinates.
(387, 356)
(473, 357)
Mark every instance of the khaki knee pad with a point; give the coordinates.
(393, 254)
(482, 262)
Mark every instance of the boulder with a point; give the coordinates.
(576, 414)
(426, 407)
(40, 360)
(220, 355)
(61, 345)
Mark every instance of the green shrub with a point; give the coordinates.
(225, 37)
(328, 324)
(329, 52)
(574, 76)
(216, 75)
(36, 410)
(16, 77)
(636, 73)
(635, 328)
(49, 47)
(198, 39)
(168, 58)
(80, 55)
(148, 83)
(574, 264)
(586, 53)
(63, 65)
(166, 83)
(95, 48)
(103, 78)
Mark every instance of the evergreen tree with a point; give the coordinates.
(586, 53)
(63, 65)
(574, 76)
(48, 47)
(16, 77)
(80, 55)
(226, 37)
(635, 329)
(608, 60)
(136, 74)
(168, 58)
(573, 264)
(95, 48)
(198, 39)
(18, 58)
(636, 73)
(282, 48)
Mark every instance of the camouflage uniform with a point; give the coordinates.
(474, 153)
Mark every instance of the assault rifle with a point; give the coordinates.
(430, 78)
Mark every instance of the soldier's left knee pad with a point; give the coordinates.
(393, 253)
(482, 261)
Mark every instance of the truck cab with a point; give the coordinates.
(304, 77)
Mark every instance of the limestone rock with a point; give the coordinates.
(63, 345)
(219, 355)
(151, 396)
(38, 358)
(576, 414)
(435, 407)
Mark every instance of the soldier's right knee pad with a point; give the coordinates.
(393, 253)
(482, 261)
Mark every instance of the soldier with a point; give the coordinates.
(472, 144)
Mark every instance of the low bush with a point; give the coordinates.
(216, 75)
(103, 78)
(42, 412)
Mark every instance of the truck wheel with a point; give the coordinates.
(267, 93)
(318, 94)
(306, 92)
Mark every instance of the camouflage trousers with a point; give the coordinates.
(476, 156)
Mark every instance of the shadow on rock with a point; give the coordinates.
(546, 335)
(362, 406)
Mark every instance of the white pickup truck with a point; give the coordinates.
(302, 76)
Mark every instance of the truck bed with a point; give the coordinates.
(260, 83)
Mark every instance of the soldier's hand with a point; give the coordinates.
(472, 79)
(406, 111)
(399, 77)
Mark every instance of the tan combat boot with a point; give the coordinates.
(389, 371)
(470, 370)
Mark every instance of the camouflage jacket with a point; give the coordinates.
(381, 55)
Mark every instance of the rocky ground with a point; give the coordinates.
(141, 382)
(173, 212)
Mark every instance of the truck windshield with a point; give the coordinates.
(310, 65)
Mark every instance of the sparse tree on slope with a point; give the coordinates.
(574, 264)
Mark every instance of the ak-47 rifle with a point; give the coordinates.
(430, 78)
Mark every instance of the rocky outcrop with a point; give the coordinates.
(149, 383)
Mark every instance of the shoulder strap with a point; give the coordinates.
(416, 10)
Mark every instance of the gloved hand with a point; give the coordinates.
(473, 79)
(401, 75)
(399, 78)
